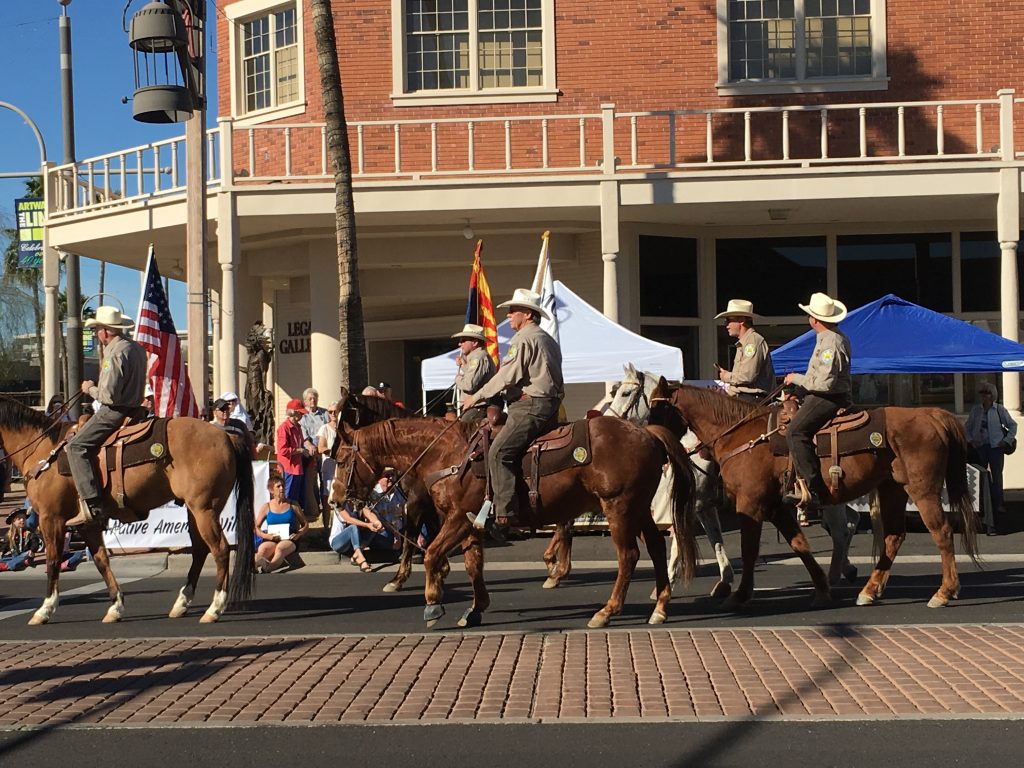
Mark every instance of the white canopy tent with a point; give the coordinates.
(594, 348)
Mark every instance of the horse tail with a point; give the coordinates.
(960, 505)
(242, 578)
(684, 486)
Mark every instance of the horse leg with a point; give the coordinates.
(53, 537)
(834, 520)
(207, 523)
(939, 526)
(791, 531)
(892, 510)
(473, 556)
(558, 555)
(435, 564)
(750, 547)
(404, 568)
(628, 551)
(93, 537)
(708, 516)
(188, 592)
(655, 544)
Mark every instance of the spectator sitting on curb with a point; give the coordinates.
(20, 545)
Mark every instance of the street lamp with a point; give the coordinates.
(170, 78)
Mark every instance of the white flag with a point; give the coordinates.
(543, 284)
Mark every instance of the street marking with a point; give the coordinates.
(88, 589)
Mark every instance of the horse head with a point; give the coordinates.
(663, 410)
(354, 476)
(632, 398)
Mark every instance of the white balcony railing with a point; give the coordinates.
(596, 144)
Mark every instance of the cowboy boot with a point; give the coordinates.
(90, 511)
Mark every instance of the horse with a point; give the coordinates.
(923, 448)
(622, 474)
(363, 410)
(199, 466)
(632, 402)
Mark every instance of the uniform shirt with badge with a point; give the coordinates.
(828, 371)
(752, 371)
(532, 366)
(475, 371)
(122, 375)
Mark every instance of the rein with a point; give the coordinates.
(54, 421)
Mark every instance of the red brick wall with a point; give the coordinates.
(656, 54)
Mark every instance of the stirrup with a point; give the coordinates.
(479, 520)
(84, 516)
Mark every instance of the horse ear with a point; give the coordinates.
(631, 370)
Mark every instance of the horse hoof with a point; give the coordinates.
(37, 620)
(177, 612)
(938, 602)
(432, 613)
(657, 618)
(598, 621)
(654, 594)
(111, 618)
(391, 587)
(209, 618)
(551, 582)
(865, 598)
(850, 574)
(721, 590)
(821, 601)
(471, 618)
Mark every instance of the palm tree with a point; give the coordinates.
(350, 304)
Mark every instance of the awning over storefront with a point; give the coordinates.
(594, 348)
(892, 335)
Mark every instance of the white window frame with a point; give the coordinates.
(400, 97)
(239, 13)
(878, 80)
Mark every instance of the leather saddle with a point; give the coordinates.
(129, 446)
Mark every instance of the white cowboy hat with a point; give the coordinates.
(824, 308)
(110, 317)
(471, 331)
(524, 297)
(739, 307)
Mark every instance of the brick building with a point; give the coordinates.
(681, 153)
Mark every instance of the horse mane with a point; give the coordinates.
(15, 415)
(723, 409)
(384, 436)
(372, 409)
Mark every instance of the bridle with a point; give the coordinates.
(55, 419)
(634, 399)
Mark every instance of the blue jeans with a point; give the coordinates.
(15, 562)
(350, 538)
(295, 488)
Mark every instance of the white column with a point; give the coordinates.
(325, 350)
(610, 247)
(228, 256)
(1008, 211)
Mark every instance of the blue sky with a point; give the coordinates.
(102, 62)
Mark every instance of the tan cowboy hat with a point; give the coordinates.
(739, 307)
(471, 331)
(110, 317)
(524, 297)
(824, 308)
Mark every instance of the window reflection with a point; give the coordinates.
(773, 272)
(668, 276)
(917, 268)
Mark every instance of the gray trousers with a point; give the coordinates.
(85, 444)
(526, 420)
(813, 413)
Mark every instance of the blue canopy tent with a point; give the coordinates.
(892, 335)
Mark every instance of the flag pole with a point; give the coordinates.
(542, 262)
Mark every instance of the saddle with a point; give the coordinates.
(129, 446)
(847, 433)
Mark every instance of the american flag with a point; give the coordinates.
(168, 374)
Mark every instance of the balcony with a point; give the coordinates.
(818, 139)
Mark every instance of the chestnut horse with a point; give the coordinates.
(201, 466)
(622, 476)
(363, 410)
(925, 447)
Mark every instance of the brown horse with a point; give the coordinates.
(201, 466)
(925, 447)
(363, 410)
(622, 477)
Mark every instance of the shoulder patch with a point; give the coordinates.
(827, 355)
(472, 364)
(510, 355)
(748, 351)
(106, 364)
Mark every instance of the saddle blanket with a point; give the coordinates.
(147, 445)
(564, 447)
(869, 436)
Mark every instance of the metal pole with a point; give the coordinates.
(74, 283)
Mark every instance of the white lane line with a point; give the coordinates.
(88, 589)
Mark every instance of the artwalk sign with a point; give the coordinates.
(30, 213)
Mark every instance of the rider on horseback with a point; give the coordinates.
(752, 376)
(531, 379)
(825, 388)
(476, 368)
(120, 391)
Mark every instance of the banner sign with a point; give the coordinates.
(30, 212)
(167, 526)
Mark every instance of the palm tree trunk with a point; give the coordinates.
(352, 340)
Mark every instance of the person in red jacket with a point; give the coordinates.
(291, 453)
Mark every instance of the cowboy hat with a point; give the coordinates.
(110, 317)
(738, 307)
(824, 308)
(15, 513)
(471, 331)
(524, 297)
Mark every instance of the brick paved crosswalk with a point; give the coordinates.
(851, 672)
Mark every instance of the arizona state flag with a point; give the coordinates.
(479, 309)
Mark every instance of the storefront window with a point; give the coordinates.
(979, 271)
(682, 336)
(668, 276)
(917, 268)
(773, 272)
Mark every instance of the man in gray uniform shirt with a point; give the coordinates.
(752, 376)
(476, 368)
(121, 387)
(530, 377)
(825, 388)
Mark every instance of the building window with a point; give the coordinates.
(466, 49)
(789, 46)
(918, 268)
(267, 48)
(770, 272)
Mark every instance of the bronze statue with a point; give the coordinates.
(258, 399)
